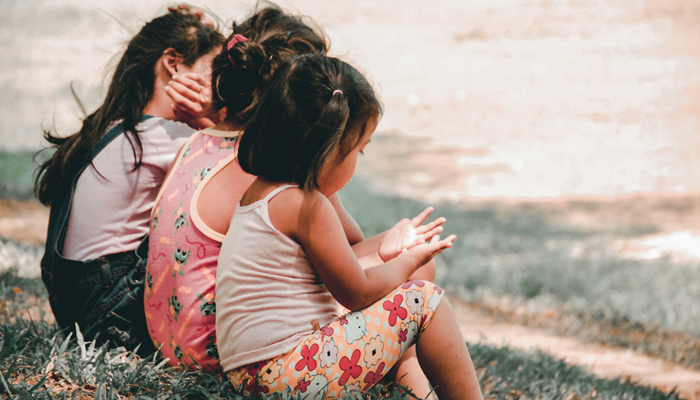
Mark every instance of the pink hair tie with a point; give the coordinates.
(336, 91)
(235, 39)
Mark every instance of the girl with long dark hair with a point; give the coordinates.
(101, 182)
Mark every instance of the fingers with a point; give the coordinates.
(420, 218)
(425, 228)
(442, 244)
(414, 244)
(430, 234)
(400, 225)
(189, 9)
(184, 98)
(185, 8)
(194, 108)
(185, 92)
(192, 83)
(192, 78)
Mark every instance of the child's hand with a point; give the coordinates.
(191, 95)
(407, 234)
(423, 253)
(185, 8)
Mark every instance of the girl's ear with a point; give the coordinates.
(170, 60)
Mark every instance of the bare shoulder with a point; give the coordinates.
(292, 210)
(284, 210)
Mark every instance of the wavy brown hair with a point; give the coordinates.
(129, 92)
(313, 106)
(240, 74)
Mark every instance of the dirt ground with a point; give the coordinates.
(23, 221)
(603, 361)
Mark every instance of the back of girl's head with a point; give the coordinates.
(128, 94)
(313, 106)
(239, 73)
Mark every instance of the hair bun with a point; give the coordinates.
(247, 55)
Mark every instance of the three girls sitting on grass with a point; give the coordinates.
(286, 258)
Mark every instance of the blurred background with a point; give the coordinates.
(561, 138)
(522, 98)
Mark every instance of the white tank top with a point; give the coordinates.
(267, 291)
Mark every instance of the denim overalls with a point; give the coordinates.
(103, 296)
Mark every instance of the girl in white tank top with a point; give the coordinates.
(285, 259)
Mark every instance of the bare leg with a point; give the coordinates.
(408, 363)
(407, 370)
(444, 357)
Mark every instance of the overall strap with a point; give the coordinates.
(60, 210)
(105, 140)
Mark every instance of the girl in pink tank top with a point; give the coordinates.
(181, 270)
(179, 297)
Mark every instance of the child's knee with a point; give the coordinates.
(421, 299)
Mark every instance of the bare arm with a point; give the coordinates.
(350, 226)
(315, 224)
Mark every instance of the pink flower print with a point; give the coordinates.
(329, 354)
(408, 284)
(395, 309)
(302, 385)
(414, 300)
(402, 335)
(350, 367)
(254, 368)
(307, 358)
(371, 378)
(343, 320)
(327, 330)
(253, 387)
(438, 289)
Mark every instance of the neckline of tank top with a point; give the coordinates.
(218, 133)
(265, 199)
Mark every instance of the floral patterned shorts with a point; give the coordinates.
(352, 352)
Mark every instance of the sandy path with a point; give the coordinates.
(603, 361)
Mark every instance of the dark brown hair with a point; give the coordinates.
(129, 92)
(301, 120)
(239, 74)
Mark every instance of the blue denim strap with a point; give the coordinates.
(60, 211)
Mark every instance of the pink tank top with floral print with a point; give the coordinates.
(181, 273)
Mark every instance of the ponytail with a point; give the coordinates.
(328, 132)
(314, 108)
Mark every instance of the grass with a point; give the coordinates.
(38, 362)
(508, 258)
(526, 257)
(17, 173)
